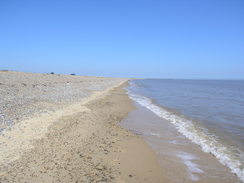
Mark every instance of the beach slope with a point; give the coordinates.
(79, 140)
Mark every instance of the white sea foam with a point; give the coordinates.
(154, 134)
(176, 142)
(208, 143)
(192, 167)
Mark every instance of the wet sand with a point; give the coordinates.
(82, 143)
(181, 160)
(78, 137)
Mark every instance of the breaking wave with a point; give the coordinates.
(199, 135)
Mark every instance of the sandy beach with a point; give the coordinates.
(122, 91)
(65, 129)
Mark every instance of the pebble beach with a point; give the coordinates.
(64, 128)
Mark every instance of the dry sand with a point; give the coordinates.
(81, 142)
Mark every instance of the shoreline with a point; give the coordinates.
(163, 132)
(88, 146)
(176, 153)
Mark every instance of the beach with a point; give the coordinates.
(62, 128)
(66, 128)
(122, 91)
(194, 126)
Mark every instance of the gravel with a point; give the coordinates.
(25, 94)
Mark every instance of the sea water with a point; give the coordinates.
(209, 113)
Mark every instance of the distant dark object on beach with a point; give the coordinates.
(4, 70)
(51, 72)
(72, 74)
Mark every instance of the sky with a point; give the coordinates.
(192, 39)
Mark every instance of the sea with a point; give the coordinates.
(196, 124)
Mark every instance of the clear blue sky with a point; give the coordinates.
(124, 38)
